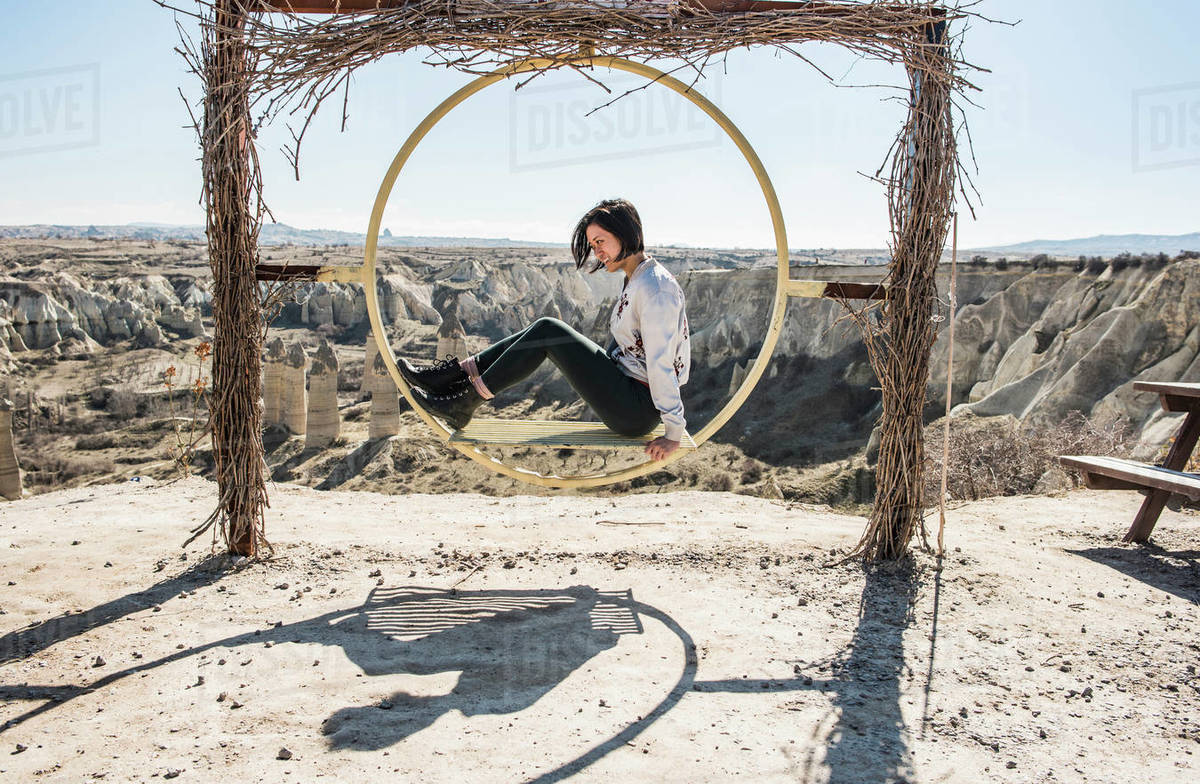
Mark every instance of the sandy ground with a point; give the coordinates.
(678, 637)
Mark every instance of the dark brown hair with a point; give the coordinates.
(616, 216)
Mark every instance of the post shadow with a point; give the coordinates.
(35, 638)
(868, 741)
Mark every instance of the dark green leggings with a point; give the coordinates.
(622, 403)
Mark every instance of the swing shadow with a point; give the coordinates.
(514, 646)
(510, 646)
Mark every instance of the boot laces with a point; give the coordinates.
(443, 364)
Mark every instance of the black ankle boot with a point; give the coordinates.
(455, 407)
(436, 379)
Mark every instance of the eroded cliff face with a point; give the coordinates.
(1031, 343)
(1057, 341)
(58, 309)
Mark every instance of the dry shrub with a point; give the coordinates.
(122, 403)
(1002, 456)
(97, 441)
(721, 483)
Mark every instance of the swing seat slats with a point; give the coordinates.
(540, 432)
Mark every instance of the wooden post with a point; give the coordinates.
(230, 177)
(922, 195)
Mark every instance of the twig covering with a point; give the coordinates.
(266, 65)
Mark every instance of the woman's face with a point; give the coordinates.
(605, 245)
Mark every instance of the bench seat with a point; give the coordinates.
(1113, 473)
(559, 433)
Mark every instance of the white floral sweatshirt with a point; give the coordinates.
(650, 339)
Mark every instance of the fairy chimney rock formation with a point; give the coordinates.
(10, 473)
(371, 351)
(385, 402)
(293, 399)
(273, 383)
(324, 425)
(452, 338)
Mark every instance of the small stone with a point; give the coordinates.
(75, 542)
(108, 564)
(574, 570)
(1042, 734)
(221, 697)
(281, 586)
(1011, 763)
(99, 662)
(386, 704)
(172, 773)
(1100, 594)
(20, 747)
(375, 573)
(774, 615)
(510, 564)
(803, 602)
(283, 754)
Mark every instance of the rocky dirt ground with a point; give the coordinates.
(680, 636)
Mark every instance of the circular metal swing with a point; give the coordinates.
(580, 435)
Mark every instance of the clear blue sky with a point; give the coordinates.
(1089, 123)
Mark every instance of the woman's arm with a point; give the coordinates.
(661, 319)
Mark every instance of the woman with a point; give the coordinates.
(631, 385)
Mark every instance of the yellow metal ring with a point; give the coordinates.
(778, 307)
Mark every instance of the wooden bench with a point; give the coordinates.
(1158, 482)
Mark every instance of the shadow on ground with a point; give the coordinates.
(863, 737)
(1173, 571)
(513, 646)
(33, 639)
(510, 646)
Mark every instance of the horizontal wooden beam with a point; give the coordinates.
(833, 289)
(307, 272)
(717, 6)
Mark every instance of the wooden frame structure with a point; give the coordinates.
(296, 62)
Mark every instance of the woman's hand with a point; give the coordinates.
(661, 447)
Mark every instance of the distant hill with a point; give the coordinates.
(271, 234)
(1106, 245)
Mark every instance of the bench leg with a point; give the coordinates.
(1147, 516)
(1177, 457)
